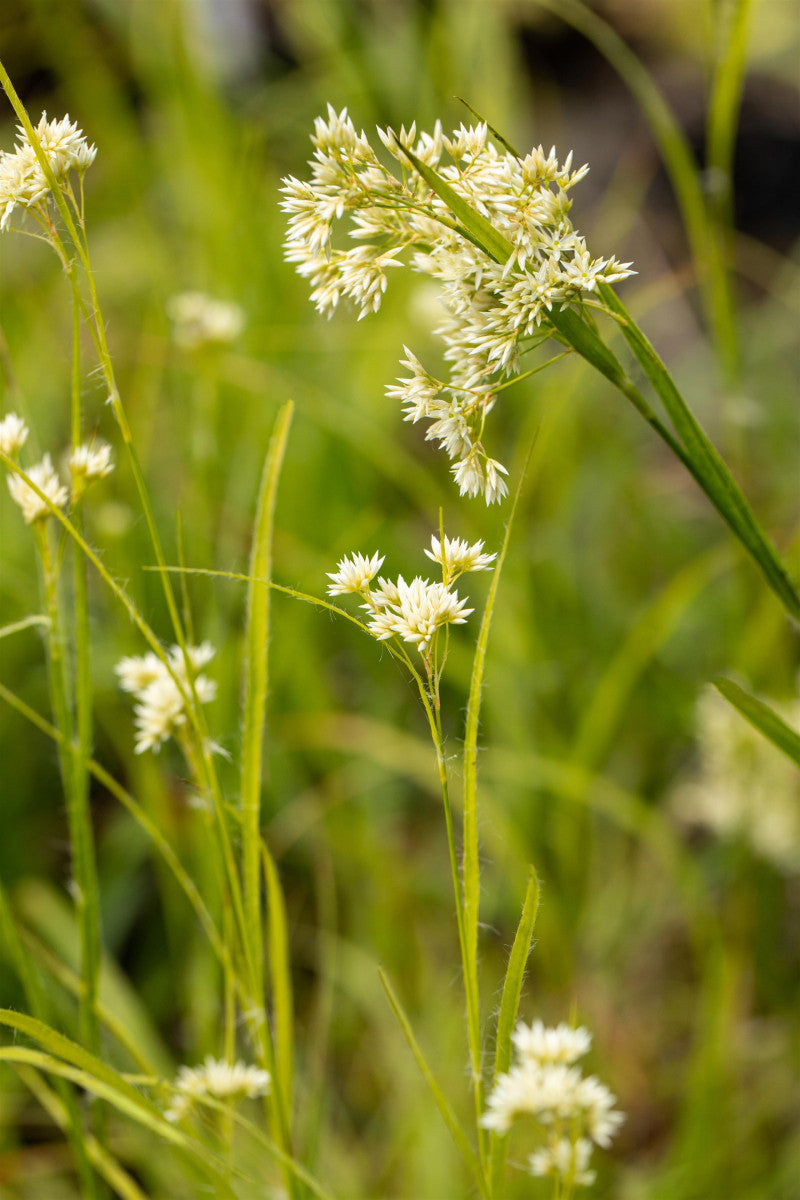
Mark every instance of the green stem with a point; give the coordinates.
(84, 855)
(468, 957)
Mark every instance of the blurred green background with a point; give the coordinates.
(622, 594)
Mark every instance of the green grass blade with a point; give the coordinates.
(281, 980)
(13, 951)
(762, 718)
(727, 84)
(679, 160)
(127, 1100)
(255, 688)
(515, 974)
(604, 715)
(107, 1165)
(507, 1018)
(140, 816)
(709, 468)
(51, 936)
(448, 1116)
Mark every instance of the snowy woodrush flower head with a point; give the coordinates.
(544, 1084)
(457, 557)
(218, 1079)
(161, 709)
(354, 574)
(415, 611)
(13, 434)
(744, 786)
(562, 1044)
(493, 312)
(22, 180)
(89, 462)
(419, 610)
(44, 477)
(200, 320)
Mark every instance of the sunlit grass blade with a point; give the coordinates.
(448, 1116)
(761, 717)
(712, 473)
(49, 932)
(107, 1165)
(14, 952)
(297, 1171)
(515, 974)
(507, 1017)
(164, 848)
(127, 1100)
(281, 982)
(470, 866)
(255, 688)
(605, 713)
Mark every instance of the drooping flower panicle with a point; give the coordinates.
(573, 1111)
(494, 312)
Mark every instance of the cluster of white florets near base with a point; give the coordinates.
(495, 312)
(22, 178)
(415, 611)
(162, 691)
(218, 1080)
(574, 1112)
(41, 490)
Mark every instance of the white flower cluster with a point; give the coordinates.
(46, 480)
(22, 180)
(200, 320)
(160, 703)
(574, 1111)
(87, 463)
(744, 787)
(216, 1078)
(413, 611)
(494, 311)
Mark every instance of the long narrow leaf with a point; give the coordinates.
(448, 1116)
(255, 686)
(14, 950)
(107, 1165)
(762, 718)
(515, 974)
(281, 980)
(509, 1007)
(715, 478)
(128, 1101)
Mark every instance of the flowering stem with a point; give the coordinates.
(468, 960)
(79, 808)
(72, 759)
